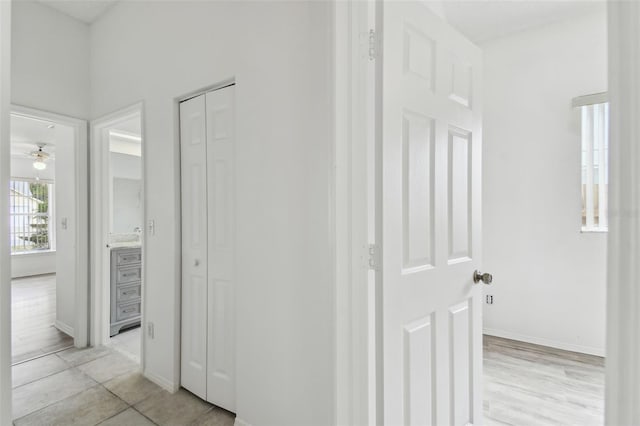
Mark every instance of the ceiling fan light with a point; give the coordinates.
(39, 164)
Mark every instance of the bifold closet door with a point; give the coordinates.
(208, 236)
(193, 148)
(221, 238)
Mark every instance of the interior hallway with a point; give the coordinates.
(33, 314)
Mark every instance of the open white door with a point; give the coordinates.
(431, 165)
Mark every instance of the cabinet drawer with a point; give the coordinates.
(127, 310)
(128, 274)
(128, 257)
(129, 292)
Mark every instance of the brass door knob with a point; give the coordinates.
(485, 278)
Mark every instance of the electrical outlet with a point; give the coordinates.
(151, 227)
(489, 299)
(150, 330)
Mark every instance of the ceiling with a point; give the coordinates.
(483, 20)
(27, 132)
(479, 20)
(83, 10)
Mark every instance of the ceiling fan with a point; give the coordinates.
(40, 157)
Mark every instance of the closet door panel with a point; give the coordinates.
(193, 146)
(221, 237)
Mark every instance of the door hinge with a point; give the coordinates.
(373, 45)
(373, 257)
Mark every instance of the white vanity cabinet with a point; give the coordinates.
(126, 295)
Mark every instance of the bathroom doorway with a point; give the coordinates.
(118, 200)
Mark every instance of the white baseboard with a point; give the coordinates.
(240, 422)
(589, 350)
(162, 382)
(65, 328)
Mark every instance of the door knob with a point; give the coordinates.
(196, 262)
(485, 278)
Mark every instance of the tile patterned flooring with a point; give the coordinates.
(33, 313)
(128, 343)
(101, 386)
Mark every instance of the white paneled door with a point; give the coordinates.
(221, 237)
(431, 308)
(193, 150)
(208, 235)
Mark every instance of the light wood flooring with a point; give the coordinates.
(527, 384)
(33, 314)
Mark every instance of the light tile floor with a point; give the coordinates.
(101, 386)
(128, 343)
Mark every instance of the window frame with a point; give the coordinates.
(586, 225)
(51, 219)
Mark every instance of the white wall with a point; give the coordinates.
(24, 265)
(23, 168)
(549, 284)
(50, 72)
(279, 54)
(49, 60)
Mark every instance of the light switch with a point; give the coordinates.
(63, 223)
(151, 227)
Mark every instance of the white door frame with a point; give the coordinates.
(100, 224)
(5, 176)
(81, 224)
(622, 387)
(355, 176)
(357, 399)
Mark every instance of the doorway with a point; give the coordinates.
(47, 235)
(118, 200)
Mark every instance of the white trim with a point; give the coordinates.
(353, 221)
(5, 258)
(34, 253)
(589, 350)
(622, 386)
(81, 275)
(596, 98)
(161, 381)
(65, 328)
(100, 224)
(241, 422)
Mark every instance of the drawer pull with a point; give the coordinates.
(129, 310)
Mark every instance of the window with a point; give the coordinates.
(30, 216)
(595, 164)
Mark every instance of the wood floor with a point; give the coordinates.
(527, 384)
(33, 313)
